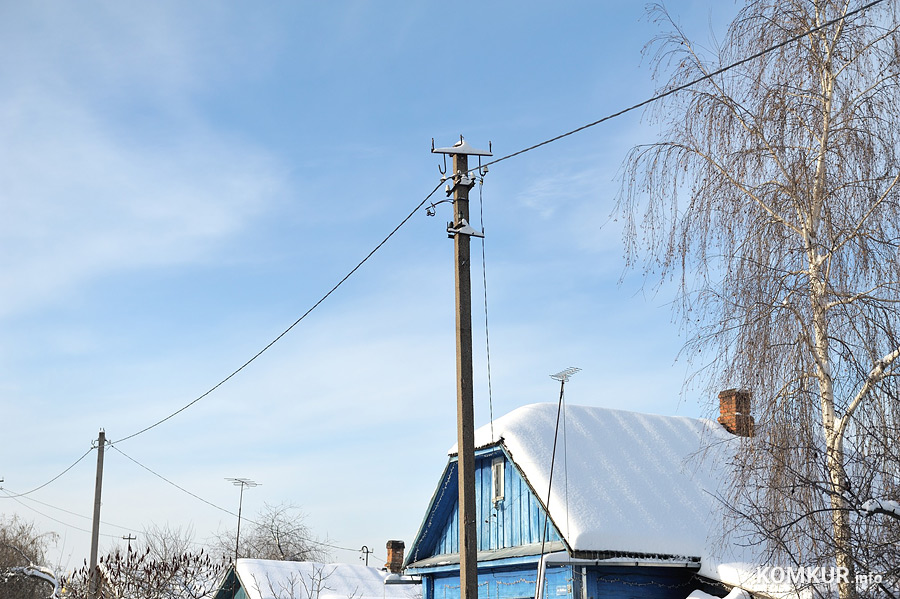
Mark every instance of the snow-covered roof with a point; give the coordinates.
(269, 579)
(624, 481)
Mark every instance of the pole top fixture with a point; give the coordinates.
(460, 147)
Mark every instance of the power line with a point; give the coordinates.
(229, 512)
(76, 514)
(295, 323)
(498, 160)
(75, 463)
(422, 203)
(685, 85)
(66, 524)
(104, 523)
(487, 335)
(177, 486)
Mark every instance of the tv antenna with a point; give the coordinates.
(564, 375)
(242, 483)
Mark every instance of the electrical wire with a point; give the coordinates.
(487, 336)
(287, 330)
(177, 486)
(76, 514)
(685, 85)
(209, 503)
(422, 203)
(75, 463)
(498, 160)
(66, 524)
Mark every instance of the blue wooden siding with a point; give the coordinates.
(569, 582)
(516, 520)
(516, 583)
(631, 582)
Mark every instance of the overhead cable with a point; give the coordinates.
(498, 160)
(84, 455)
(209, 503)
(422, 203)
(287, 330)
(684, 86)
(49, 517)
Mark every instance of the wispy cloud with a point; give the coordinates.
(87, 191)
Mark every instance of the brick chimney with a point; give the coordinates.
(395, 556)
(734, 409)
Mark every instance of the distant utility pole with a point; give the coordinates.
(241, 482)
(460, 230)
(94, 585)
(366, 551)
(129, 538)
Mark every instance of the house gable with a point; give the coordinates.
(630, 509)
(509, 515)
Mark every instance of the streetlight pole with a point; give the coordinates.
(242, 483)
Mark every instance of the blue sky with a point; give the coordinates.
(180, 181)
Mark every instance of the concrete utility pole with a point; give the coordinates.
(461, 231)
(94, 588)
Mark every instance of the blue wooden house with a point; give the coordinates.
(631, 511)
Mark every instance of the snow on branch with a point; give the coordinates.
(882, 506)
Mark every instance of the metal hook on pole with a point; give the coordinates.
(367, 552)
(443, 170)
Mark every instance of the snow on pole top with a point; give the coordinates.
(460, 147)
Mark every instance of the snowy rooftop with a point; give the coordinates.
(268, 579)
(624, 481)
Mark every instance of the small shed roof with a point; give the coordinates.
(270, 579)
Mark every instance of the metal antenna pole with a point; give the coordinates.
(461, 231)
(94, 584)
(241, 482)
(562, 377)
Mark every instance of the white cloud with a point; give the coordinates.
(90, 183)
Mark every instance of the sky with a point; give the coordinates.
(180, 182)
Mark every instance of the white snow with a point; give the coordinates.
(737, 593)
(625, 481)
(885, 506)
(269, 579)
(39, 572)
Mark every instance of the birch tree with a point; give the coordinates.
(772, 199)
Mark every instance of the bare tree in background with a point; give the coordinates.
(278, 532)
(166, 541)
(773, 198)
(23, 570)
